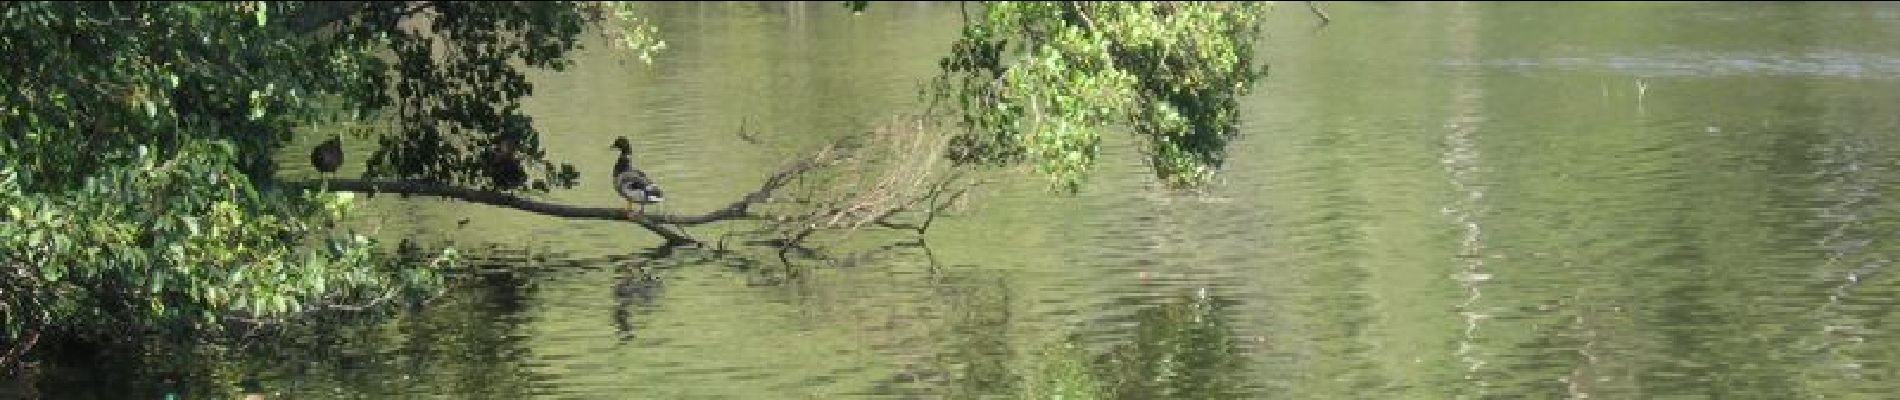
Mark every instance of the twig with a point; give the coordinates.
(19, 350)
(1323, 18)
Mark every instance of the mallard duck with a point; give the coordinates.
(328, 156)
(631, 183)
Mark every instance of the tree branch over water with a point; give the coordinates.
(857, 180)
(665, 225)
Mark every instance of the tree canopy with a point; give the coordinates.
(1038, 82)
(138, 191)
(135, 152)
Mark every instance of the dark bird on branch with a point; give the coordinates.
(631, 183)
(327, 156)
(504, 167)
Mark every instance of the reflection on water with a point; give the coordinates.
(1432, 200)
(1181, 349)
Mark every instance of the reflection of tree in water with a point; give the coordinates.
(949, 340)
(1181, 349)
(467, 345)
(976, 352)
(70, 370)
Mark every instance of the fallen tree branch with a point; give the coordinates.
(665, 225)
(882, 172)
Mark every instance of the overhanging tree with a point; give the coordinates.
(1038, 83)
(137, 190)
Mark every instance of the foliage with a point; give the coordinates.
(177, 243)
(458, 86)
(446, 71)
(136, 156)
(108, 78)
(128, 163)
(629, 31)
(136, 170)
(136, 149)
(457, 90)
(136, 166)
(1037, 82)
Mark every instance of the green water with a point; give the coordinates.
(1431, 200)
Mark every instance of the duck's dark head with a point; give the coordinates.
(623, 145)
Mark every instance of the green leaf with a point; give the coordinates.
(52, 272)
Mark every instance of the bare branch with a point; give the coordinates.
(880, 173)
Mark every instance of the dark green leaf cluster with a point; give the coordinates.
(135, 167)
(136, 145)
(457, 88)
(177, 243)
(1036, 82)
(107, 78)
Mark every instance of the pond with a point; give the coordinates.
(1431, 200)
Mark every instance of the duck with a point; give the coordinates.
(328, 155)
(503, 167)
(631, 183)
